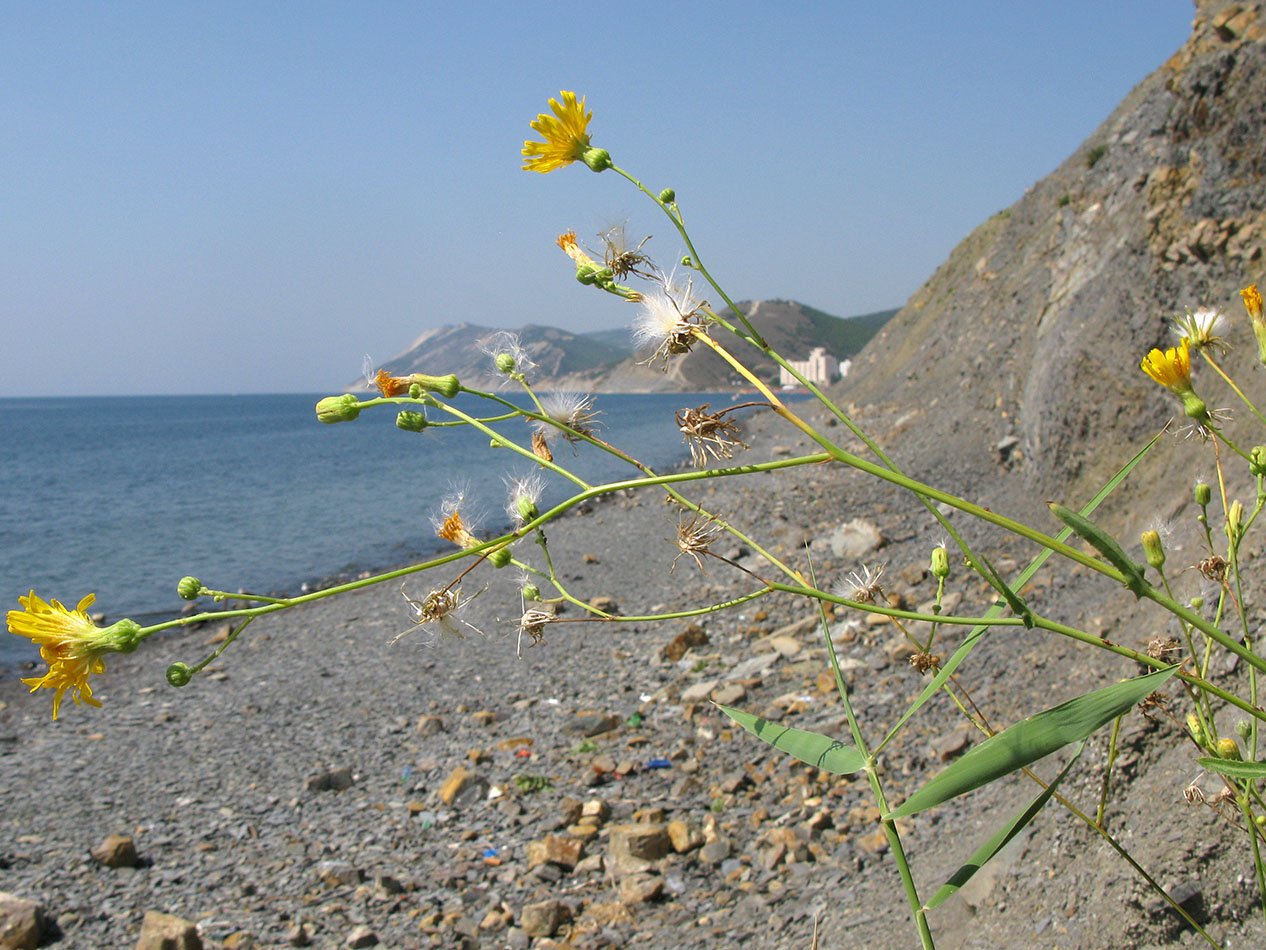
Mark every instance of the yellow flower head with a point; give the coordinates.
(70, 643)
(1252, 302)
(390, 385)
(1172, 368)
(566, 138)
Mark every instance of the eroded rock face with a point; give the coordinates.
(1035, 325)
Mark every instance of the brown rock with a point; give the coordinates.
(684, 836)
(429, 725)
(459, 784)
(693, 636)
(115, 851)
(729, 693)
(640, 888)
(543, 918)
(361, 936)
(606, 604)
(949, 745)
(21, 922)
(485, 718)
(167, 932)
(874, 843)
(596, 808)
(589, 724)
(565, 852)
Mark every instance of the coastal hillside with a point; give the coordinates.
(604, 361)
(1027, 340)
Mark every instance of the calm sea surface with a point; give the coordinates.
(122, 496)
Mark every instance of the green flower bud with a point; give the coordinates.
(1227, 749)
(1257, 460)
(121, 637)
(178, 674)
(530, 592)
(598, 159)
(1204, 494)
(446, 386)
(589, 273)
(940, 562)
(342, 408)
(189, 588)
(1244, 728)
(415, 391)
(1196, 602)
(1196, 730)
(687, 261)
(668, 196)
(1153, 550)
(411, 421)
(527, 508)
(1235, 520)
(500, 557)
(1194, 407)
(505, 362)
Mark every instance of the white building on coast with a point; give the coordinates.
(820, 367)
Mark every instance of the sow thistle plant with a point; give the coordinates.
(673, 319)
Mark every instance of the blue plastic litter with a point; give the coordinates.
(658, 764)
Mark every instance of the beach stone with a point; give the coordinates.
(596, 808)
(684, 836)
(590, 724)
(429, 725)
(459, 780)
(361, 936)
(485, 717)
(161, 931)
(543, 918)
(855, 539)
(115, 851)
(21, 922)
(605, 604)
(729, 693)
(644, 842)
(332, 780)
(699, 691)
(785, 646)
(754, 665)
(298, 936)
(949, 745)
(715, 851)
(565, 852)
(337, 873)
(693, 636)
(641, 888)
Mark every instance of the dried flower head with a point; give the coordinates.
(925, 662)
(533, 624)
(668, 320)
(524, 493)
(1162, 648)
(1203, 328)
(441, 612)
(1214, 568)
(510, 361)
(694, 537)
(451, 524)
(572, 411)
(540, 446)
(708, 434)
(565, 132)
(70, 643)
(865, 587)
(623, 259)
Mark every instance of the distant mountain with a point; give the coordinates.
(604, 361)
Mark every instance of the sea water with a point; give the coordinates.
(122, 496)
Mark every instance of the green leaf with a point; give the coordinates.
(821, 751)
(1032, 739)
(1233, 768)
(1000, 838)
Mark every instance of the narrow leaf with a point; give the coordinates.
(1234, 769)
(1000, 839)
(1032, 739)
(821, 751)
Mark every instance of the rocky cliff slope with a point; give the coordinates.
(1033, 329)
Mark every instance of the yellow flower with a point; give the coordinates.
(1172, 368)
(1252, 302)
(566, 138)
(70, 643)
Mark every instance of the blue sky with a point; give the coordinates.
(249, 197)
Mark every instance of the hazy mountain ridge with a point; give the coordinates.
(604, 361)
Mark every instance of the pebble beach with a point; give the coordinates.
(323, 786)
